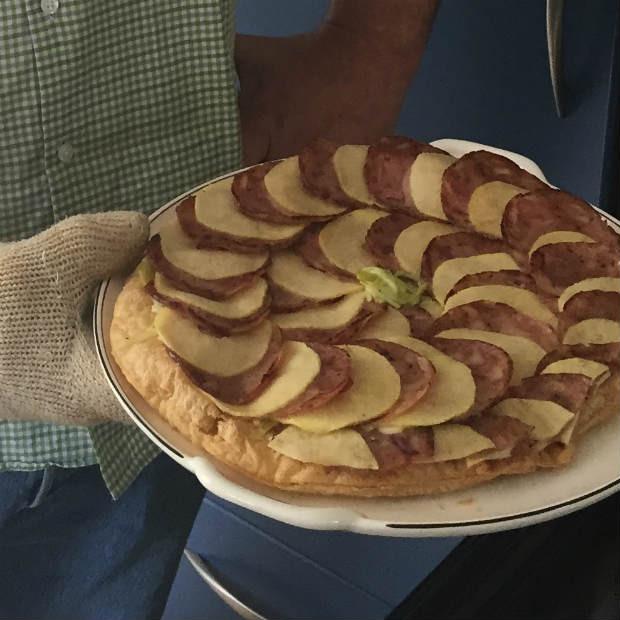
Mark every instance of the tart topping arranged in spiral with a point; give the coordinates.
(389, 305)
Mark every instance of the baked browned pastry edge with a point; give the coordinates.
(242, 445)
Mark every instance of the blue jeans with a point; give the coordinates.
(68, 551)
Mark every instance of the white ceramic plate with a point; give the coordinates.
(502, 504)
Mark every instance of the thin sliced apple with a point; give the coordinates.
(224, 357)
(413, 241)
(524, 353)
(375, 388)
(180, 251)
(284, 185)
(328, 317)
(389, 323)
(457, 441)
(487, 205)
(292, 274)
(611, 285)
(342, 240)
(520, 299)
(297, 369)
(593, 331)
(216, 208)
(345, 448)
(442, 401)
(546, 418)
(560, 236)
(349, 160)
(451, 271)
(577, 365)
(425, 177)
(242, 304)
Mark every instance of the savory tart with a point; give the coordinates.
(378, 320)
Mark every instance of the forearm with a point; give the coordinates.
(395, 30)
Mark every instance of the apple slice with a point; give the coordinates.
(525, 353)
(413, 241)
(345, 448)
(181, 252)
(592, 331)
(579, 366)
(559, 236)
(298, 367)
(243, 305)
(389, 323)
(283, 183)
(457, 441)
(375, 388)
(223, 357)
(520, 299)
(291, 273)
(425, 178)
(611, 285)
(325, 323)
(546, 418)
(442, 401)
(216, 210)
(487, 205)
(349, 160)
(342, 240)
(451, 271)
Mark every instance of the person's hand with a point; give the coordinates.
(48, 368)
(333, 84)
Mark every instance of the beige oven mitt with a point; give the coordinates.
(48, 367)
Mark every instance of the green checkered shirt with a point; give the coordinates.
(119, 104)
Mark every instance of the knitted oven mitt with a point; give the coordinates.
(48, 368)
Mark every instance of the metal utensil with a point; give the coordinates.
(555, 11)
(206, 573)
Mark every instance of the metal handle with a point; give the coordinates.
(555, 11)
(204, 570)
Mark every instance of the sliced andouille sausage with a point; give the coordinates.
(396, 450)
(213, 218)
(382, 235)
(505, 278)
(311, 252)
(590, 305)
(475, 170)
(420, 321)
(557, 266)
(497, 317)
(529, 216)
(566, 389)
(387, 168)
(253, 199)
(214, 289)
(241, 388)
(457, 245)
(335, 172)
(333, 378)
(416, 373)
(208, 314)
(505, 432)
(491, 368)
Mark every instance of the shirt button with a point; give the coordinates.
(65, 152)
(49, 7)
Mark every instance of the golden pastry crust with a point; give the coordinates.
(242, 446)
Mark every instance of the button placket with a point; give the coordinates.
(49, 7)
